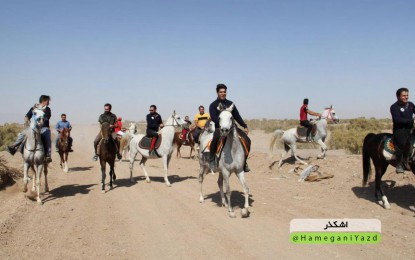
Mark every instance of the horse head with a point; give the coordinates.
(225, 119)
(105, 131)
(210, 126)
(175, 120)
(64, 136)
(330, 114)
(36, 122)
(133, 128)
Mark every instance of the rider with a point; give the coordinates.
(303, 118)
(45, 131)
(59, 127)
(118, 126)
(111, 119)
(185, 129)
(403, 121)
(214, 113)
(200, 121)
(154, 122)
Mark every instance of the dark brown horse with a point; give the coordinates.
(107, 151)
(63, 148)
(179, 142)
(373, 148)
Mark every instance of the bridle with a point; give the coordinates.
(330, 115)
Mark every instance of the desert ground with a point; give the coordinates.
(152, 221)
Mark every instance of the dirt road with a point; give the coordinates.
(151, 221)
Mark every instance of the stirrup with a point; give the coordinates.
(95, 157)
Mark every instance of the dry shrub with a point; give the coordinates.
(350, 136)
(8, 174)
(8, 133)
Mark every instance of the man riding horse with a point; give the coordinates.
(154, 122)
(111, 119)
(214, 114)
(304, 120)
(200, 121)
(45, 131)
(403, 122)
(59, 128)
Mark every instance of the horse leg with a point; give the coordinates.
(33, 179)
(226, 175)
(222, 195)
(66, 162)
(45, 172)
(25, 176)
(103, 176)
(284, 152)
(323, 149)
(142, 164)
(178, 154)
(202, 171)
(294, 148)
(166, 161)
(132, 160)
(380, 195)
(241, 177)
(38, 175)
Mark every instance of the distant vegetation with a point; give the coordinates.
(8, 134)
(347, 135)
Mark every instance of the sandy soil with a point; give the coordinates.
(152, 221)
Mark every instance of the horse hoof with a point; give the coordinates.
(387, 206)
(244, 212)
(232, 214)
(201, 200)
(114, 178)
(103, 191)
(148, 180)
(39, 202)
(168, 184)
(132, 180)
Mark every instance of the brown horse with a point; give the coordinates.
(63, 148)
(179, 142)
(107, 151)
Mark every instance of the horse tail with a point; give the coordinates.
(275, 136)
(125, 140)
(367, 171)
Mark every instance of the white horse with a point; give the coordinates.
(165, 149)
(290, 137)
(132, 130)
(231, 160)
(204, 139)
(34, 153)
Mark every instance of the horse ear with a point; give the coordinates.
(231, 107)
(221, 107)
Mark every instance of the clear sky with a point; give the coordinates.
(353, 54)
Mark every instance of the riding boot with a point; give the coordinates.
(246, 168)
(153, 143)
(399, 159)
(213, 165)
(95, 157)
(11, 149)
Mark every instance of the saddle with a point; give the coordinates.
(302, 131)
(99, 145)
(146, 142)
(389, 149)
(222, 142)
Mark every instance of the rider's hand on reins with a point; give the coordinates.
(246, 130)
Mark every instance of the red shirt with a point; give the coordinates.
(118, 126)
(303, 112)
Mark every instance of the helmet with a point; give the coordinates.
(120, 119)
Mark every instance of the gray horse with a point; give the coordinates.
(34, 153)
(231, 160)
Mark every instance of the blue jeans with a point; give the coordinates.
(47, 139)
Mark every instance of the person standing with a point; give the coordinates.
(402, 112)
(214, 114)
(154, 123)
(44, 101)
(200, 122)
(304, 120)
(59, 127)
